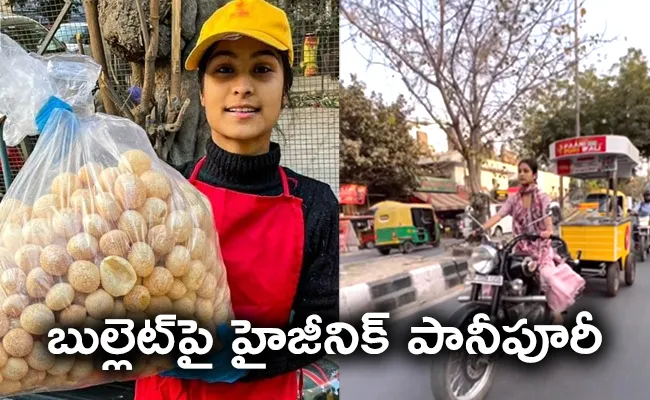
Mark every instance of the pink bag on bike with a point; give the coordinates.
(562, 285)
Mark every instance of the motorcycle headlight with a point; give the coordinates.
(482, 259)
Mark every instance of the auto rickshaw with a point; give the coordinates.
(599, 235)
(404, 226)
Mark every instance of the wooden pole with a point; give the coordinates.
(97, 48)
(176, 54)
(150, 63)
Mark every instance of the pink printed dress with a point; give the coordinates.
(559, 281)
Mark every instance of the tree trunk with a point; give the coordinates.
(122, 33)
(478, 200)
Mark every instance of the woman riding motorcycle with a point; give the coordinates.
(562, 285)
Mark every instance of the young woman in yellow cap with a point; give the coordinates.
(278, 230)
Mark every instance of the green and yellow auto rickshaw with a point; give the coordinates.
(404, 226)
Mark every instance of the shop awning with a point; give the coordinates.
(443, 201)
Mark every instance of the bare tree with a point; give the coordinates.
(469, 63)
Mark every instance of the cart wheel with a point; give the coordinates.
(630, 269)
(384, 251)
(407, 247)
(613, 276)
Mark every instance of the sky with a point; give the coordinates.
(626, 21)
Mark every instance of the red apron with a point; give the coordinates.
(262, 242)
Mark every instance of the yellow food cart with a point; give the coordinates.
(600, 237)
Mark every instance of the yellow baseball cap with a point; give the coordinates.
(257, 19)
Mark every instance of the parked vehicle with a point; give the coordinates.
(405, 226)
(29, 34)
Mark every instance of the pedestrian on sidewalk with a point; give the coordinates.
(277, 229)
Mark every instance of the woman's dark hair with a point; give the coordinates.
(287, 71)
(531, 163)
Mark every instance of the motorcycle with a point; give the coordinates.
(641, 234)
(505, 286)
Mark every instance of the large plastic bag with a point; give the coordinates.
(94, 226)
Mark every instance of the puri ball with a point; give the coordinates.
(20, 216)
(134, 225)
(37, 319)
(135, 161)
(178, 261)
(60, 296)
(99, 304)
(4, 324)
(117, 275)
(197, 244)
(46, 206)
(208, 288)
(115, 243)
(32, 379)
(159, 282)
(84, 276)
(180, 224)
(28, 257)
(142, 259)
(119, 309)
(96, 225)
(184, 307)
(201, 217)
(55, 260)
(83, 246)
(15, 369)
(62, 365)
(80, 298)
(9, 387)
(14, 305)
(73, 316)
(159, 305)
(138, 299)
(63, 185)
(13, 281)
(66, 222)
(18, 342)
(177, 290)
(154, 211)
(81, 369)
(107, 179)
(157, 185)
(37, 231)
(130, 191)
(40, 358)
(3, 357)
(108, 206)
(89, 174)
(204, 310)
(12, 236)
(193, 278)
(82, 201)
(39, 283)
(160, 239)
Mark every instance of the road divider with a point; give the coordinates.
(405, 289)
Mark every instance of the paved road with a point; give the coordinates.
(620, 369)
(367, 255)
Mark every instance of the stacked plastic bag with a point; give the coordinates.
(94, 226)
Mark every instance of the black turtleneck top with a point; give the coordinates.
(318, 287)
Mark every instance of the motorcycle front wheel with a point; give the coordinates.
(462, 376)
